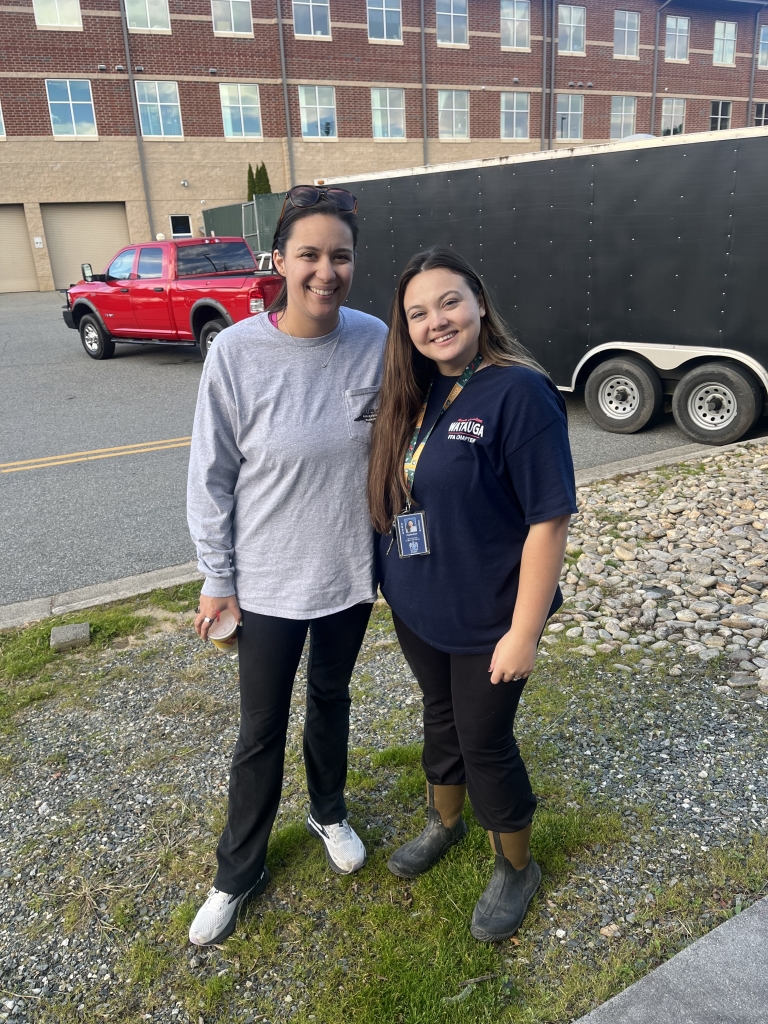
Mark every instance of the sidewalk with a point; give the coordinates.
(720, 979)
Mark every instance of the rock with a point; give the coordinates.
(658, 593)
(624, 553)
(760, 610)
(573, 632)
(686, 615)
(64, 638)
(676, 670)
(556, 627)
(702, 580)
(762, 685)
(611, 931)
(708, 654)
(585, 650)
(742, 680)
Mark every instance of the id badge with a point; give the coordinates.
(411, 532)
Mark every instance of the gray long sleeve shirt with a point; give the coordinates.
(276, 493)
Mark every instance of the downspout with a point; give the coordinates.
(543, 74)
(136, 122)
(750, 104)
(656, 67)
(425, 131)
(286, 105)
(552, 81)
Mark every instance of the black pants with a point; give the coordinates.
(269, 653)
(468, 735)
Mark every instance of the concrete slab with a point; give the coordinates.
(76, 634)
(719, 979)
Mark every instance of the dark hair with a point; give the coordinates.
(291, 216)
(407, 374)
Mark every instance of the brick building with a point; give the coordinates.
(125, 118)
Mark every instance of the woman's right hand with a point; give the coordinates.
(210, 608)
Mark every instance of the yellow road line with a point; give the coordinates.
(96, 453)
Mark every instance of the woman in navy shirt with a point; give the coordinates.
(471, 487)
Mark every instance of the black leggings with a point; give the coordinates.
(468, 734)
(269, 653)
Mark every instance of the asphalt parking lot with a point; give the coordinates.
(69, 523)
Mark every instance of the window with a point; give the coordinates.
(150, 262)
(516, 24)
(452, 27)
(385, 20)
(626, 34)
(232, 17)
(240, 111)
(212, 257)
(623, 116)
(2, 124)
(672, 117)
(148, 14)
(318, 111)
(570, 116)
(58, 13)
(761, 115)
(388, 113)
(678, 30)
(725, 43)
(71, 105)
(159, 109)
(121, 266)
(515, 107)
(453, 113)
(720, 116)
(762, 57)
(181, 226)
(572, 29)
(311, 18)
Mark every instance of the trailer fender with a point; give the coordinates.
(668, 357)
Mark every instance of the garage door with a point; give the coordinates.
(82, 233)
(17, 267)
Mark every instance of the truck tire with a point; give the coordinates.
(208, 335)
(717, 403)
(624, 395)
(96, 342)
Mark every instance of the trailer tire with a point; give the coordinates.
(717, 403)
(624, 395)
(96, 342)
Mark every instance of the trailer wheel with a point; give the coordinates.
(717, 403)
(624, 395)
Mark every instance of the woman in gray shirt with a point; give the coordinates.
(277, 509)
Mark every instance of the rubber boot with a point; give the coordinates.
(516, 876)
(445, 827)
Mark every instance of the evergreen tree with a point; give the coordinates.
(253, 186)
(261, 180)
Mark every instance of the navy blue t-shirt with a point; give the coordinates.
(497, 462)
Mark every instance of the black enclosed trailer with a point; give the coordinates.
(638, 269)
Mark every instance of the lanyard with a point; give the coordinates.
(413, 454)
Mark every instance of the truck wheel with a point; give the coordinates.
(95, 339)
(624, 395)
(208, 335)
(717, 403)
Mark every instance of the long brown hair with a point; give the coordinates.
(407, 374)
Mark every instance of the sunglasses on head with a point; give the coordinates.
(304, 196)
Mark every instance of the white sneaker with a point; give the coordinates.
(343, 847)
(217, 918)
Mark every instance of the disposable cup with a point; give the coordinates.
(223, 632)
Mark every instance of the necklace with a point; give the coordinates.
(334, 341)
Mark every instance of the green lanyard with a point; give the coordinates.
(413, 454)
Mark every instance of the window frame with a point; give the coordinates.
(385, 40)
(154, 247)
(725, 63)
(514, 21)
(762, 49)
(570, 96)
(454, 18)
(626, 31)
(388, 108)
(239, 86)
(720, 117)
(47, 26)
(312, 4)
(623, 115)
(453, 108)
(93, 137)
(3, 129)
(672, 99)
(515, 112)
(317, 106)
(761, 117)
(232, 33)
(677, 35)
(139, 29)
(139, 102)
(570, 27)
(177, 234)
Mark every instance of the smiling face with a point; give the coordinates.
(443, 317)
(318, 265)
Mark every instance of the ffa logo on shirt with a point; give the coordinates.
(465, 430)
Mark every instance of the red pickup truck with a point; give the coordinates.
(180, 293)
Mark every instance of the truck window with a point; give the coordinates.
(121, 266)
(213, 257)
(151, 262)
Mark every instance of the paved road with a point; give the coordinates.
(71, 525)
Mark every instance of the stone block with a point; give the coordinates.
(77, 634)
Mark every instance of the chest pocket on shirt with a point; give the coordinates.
(361, 404)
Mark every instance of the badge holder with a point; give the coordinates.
(411, 532)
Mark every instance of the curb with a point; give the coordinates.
(131, 586)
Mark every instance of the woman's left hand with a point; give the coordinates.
(513, 659)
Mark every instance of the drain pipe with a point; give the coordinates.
(750, 104)
(543, 73)
(136, 121)
(656, 67)
(552, 80)
(425, 131)
(286, 104)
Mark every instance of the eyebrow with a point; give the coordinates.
(451, 291)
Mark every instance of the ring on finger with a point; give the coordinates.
(206, 619)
